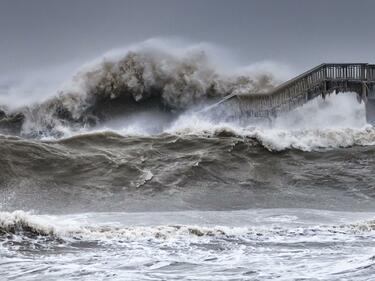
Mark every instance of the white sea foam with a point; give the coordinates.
(91, 226)
(287, 244)
(337, 122)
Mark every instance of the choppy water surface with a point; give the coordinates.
(130, 177)
(282, 244)
(107, 207)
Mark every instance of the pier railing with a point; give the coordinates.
(320, 80)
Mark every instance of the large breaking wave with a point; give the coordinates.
(156, 88)
(147, 76)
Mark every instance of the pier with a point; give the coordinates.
(319, 81)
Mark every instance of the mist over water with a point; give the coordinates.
(132, 168)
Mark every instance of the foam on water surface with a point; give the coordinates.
(213, 244)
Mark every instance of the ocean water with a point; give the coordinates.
(131, 173)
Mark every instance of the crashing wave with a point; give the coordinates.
(34, 226)
(141, 79)
(336, 122)
(152, 89)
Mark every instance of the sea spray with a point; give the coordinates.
(146, 76)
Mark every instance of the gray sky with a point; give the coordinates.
(36, 34)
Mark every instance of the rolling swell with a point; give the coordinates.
(107, 171)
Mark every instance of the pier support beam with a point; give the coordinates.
(370, 106)
(370, 112)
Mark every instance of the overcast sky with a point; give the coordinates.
(36, 34)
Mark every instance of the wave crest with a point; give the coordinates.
(28, 225)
